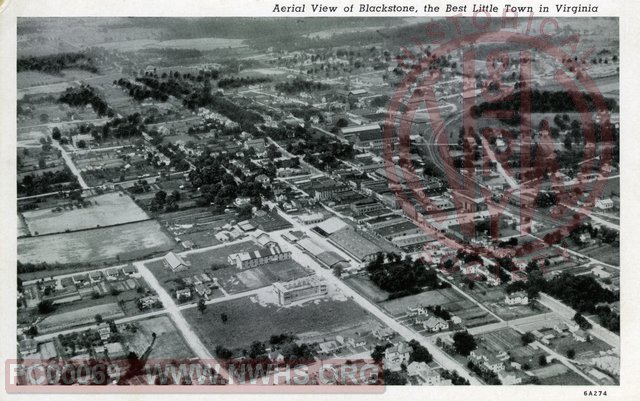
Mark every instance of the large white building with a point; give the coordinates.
(299, 289)
(247, 260)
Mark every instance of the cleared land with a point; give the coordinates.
(169, 342)
(249, 321)
(102, 244)
(449, 299)
(79, 317)
(104, 210)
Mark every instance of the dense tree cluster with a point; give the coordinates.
(55, 63)
(84, 95)
(170, 87)
(401, 276)
(455, 378)
(300, 85)
(419, 353)
(464, 343)
(218, 187)
(237, 82)
(140, 92)
(546, 199)
(49, 181)
(120, 127)
(172, 53)
(582, 292)
(162, 201)
(542, 102)
(608, 318)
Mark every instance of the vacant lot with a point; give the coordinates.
(169, 342)
(367, 288)
(104, 210)
(102, 244)
(248, 321)
(398, 307)
(471, 314)
(79, 317)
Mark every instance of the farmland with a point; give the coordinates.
(103, 210)
(258, 323)
(96, 245)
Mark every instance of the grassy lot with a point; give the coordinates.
(105, 210)
(493, 298)
(79, 317)
(169, 342)
(365, 287)
(103, 244)
(449, 299)
(558, 374)
(583, 350)
(398, 307)
(605, 253)
(248, 321)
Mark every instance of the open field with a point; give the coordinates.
(367, 288)
(102, 244)
(169, 342)
(558, 374)
(449, 299)
(105, 210)
(79, 317)
(28, 79)
(248, 321)
(202, 44)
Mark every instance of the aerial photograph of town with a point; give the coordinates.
(279, 191)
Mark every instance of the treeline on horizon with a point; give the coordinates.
(55, 63)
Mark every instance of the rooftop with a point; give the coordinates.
(354, 243)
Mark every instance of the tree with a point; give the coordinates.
(571, 353)
(45, 307)
(81, 144)
(257, 349)
(464, 342)
(224, 317)
(98, 318)
(245, 212)
(342, 122)
(378, 352)
(527, 338)
(394, 378)
(223, 353)
(55, 133)
(542, 360)
(419, 353)
(202, 306)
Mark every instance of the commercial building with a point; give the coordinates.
(299, 289)
(247, 260)
(175, 262)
